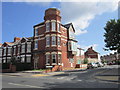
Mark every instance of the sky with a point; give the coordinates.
(88, 18)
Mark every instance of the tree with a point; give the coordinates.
(85, 61)
(112, 35)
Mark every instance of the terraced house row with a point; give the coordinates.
(53, 44)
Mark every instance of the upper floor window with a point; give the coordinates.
(9, 50)
(53, 58)
(14, 50)
(28, 46)
(53, 26)
(4, 51)
(36, 32)
(59, 40)
(0, 51)
(47, 40)
(58, 27)
(47, 26)
(53, 40)
(36, 44)
(18, 49)
(23, 48)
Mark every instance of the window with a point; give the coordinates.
(28, 59)
(0, 51)
(58, 27)
(18, 49)
(36, 44)
(47, 40)
(14, 50)
(4, 60)
(29, 47)
(4, 51)
(47, 58)
(36, 32)
(53, 40)
(53, 58)
(23, 48)
(59, 40)
(59, 58)
(9, 50)
(22, 59)
(8, 59)
(47, 26)
(53, 26)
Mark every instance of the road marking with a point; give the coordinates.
(61, 77)
(25, 85)
(38, 75)
(79, 80)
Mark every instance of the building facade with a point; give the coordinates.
(92, 55)
(20, 50)
(111, 58)
(54, 43)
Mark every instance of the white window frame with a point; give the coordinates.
(36, 32)
(9, 50)
(53, 24)
(58, 27)
(28, 61)
(23, 48)
(22, 58)
(1, 51)
(59, 58)
(4, 51)
(47, 26)
(53, 40)
(36, 44)
(28, 46)
(47, 41)
(47, 59)
(8, 58)
(18, 49)
(53, 58)
(59, 40)
(14, 50)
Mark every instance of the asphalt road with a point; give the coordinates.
(70, 79)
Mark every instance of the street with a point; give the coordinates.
(103, 77)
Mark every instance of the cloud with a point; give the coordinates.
(82, 13)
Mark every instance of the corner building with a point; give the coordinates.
(54, 43)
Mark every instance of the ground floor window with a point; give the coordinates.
(28, 59)
(59, 58)
(22, 59)
(53, 58)
(47, 58)
(8, 59)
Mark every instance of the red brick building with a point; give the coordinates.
(90, 53)
(54, 43)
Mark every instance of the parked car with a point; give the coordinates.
(99, 64)
(92, 65)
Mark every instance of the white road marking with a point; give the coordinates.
(25, 85)
(79, 80)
